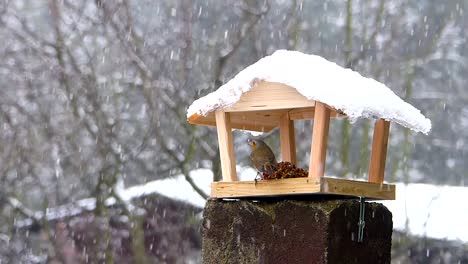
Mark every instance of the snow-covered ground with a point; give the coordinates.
(430, 210)
(179, 189)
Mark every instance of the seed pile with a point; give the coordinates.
(285, 170)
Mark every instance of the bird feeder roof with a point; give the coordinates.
(291, 81)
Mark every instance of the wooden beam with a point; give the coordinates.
(226, 146)
(261, 120)
(379, 151)
(302, 113)
(268, 96)
(312, 186)
(307, 113)
(318, 150)
(265, 187)
(357, 188)
(287, 139)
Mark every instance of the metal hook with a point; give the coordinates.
(361, 222)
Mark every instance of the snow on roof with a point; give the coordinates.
(317, 79)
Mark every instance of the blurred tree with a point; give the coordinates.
(95, 92)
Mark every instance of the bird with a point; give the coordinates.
(262, 158)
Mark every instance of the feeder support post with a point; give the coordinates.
(379, 151)
(318, 150)
(288, 142)
(226, 146)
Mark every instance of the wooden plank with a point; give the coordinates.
(256, 119)
(301, 186)
(357, 188)
(287, 139)
(318, 150)
(262, 121)
(259, 120)
(308, 113)
(379, 151)
(302, 113)
(265, 188)
(226, 146)
(268, 96)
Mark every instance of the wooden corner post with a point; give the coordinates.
(226, 146)
(288, 141)
(318, 150)
(379, 151)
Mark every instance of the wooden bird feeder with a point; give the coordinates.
(269, 104)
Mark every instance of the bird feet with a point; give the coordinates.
(257, 177)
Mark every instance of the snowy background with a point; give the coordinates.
(93, 103)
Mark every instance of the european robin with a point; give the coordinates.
(262, 158)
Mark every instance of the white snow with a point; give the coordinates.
(176, 188)
(431, 210)
(63, 211)
(318, 79)
(179, 189)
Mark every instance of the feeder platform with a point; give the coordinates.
(303, 186)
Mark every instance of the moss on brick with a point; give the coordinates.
(294, 231)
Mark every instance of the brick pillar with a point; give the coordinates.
(294, 231)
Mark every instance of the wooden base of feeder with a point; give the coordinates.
(303, 186)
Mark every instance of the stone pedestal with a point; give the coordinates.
(294, 231)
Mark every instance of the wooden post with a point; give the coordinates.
(288, 142)
(379, 151)
(318, 151)
(226, 146)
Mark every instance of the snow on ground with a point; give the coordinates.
(432, 211)
(317, 79)
(179, 189)
(176, 187)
